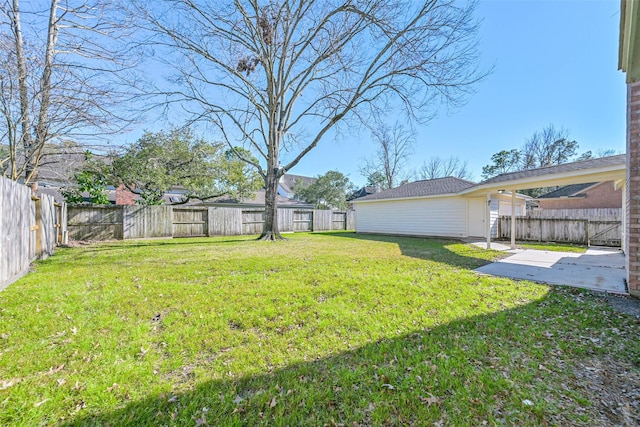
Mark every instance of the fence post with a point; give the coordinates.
(586, 231)
(540, 234)
(38, 226)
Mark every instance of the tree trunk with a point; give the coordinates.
(25, 118)
(271, 231)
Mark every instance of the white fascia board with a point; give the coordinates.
(407, 198)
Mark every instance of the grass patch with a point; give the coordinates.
(330, 328)
(553, 247)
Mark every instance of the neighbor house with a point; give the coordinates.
(436, 207)
(285, 198)
(592, 195)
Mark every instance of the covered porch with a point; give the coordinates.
(612, 168)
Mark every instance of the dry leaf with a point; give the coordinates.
(143, 352)
(273, 403)
(6, 384)
(42, 402)
(53, 370)
(431, 400)
(389, 386)
(202, 421)
(113, 387)
(61, 381)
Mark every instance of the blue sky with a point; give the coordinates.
(555, 62)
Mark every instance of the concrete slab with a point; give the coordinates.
(495, 246)
(599, 269)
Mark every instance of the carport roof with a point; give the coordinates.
(620, 159)
(611, 168)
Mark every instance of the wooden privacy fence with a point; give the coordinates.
(142, 222)
(598, 231)
(30, 228)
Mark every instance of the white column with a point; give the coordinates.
(487, 221)
(513, 219)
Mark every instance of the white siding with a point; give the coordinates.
(495, 214)
(443, 216)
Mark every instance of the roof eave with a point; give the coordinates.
(604, 173)
(405, 198)
(629, 43)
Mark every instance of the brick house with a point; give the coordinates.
(629, 63)
(592, 195)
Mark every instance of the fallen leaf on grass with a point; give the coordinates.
(389, 386)
(53, 370)
(143, 352)
(113, 387)
(527, 402)
(273, 403)
(431, 400)
(61, 381)
(42, 402)
(7, 383)
(202, 421)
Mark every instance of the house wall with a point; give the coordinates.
(124, 196)
(633, 188)
(443, 216)
(603, 195)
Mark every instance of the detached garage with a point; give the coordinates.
(436, 207)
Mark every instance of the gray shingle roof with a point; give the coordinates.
(566, 191)
(431, 187)
(620, 159)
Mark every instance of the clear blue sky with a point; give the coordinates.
(555, 62)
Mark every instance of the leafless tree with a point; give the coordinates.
(547, 147)
(437, 167)
(394, 147)
(279, 75)
(65, 72)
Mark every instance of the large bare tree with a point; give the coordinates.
(394, 146)
(437, 167)
(64, 73)
(279, 75)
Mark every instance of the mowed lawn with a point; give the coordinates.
(322, 329)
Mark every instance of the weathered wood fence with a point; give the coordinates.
(598, 231)
(142, 222)
(30, 228)
(576, 213)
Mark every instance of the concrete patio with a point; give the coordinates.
(599, 269)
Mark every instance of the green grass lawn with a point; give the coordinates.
(322, 329)
(550, 246)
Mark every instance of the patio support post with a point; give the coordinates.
(513, 219)
(488, 220)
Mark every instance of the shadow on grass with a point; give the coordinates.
(448, 251)
(462, 373)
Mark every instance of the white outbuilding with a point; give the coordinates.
(436, 207)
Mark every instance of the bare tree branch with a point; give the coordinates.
(278, 75)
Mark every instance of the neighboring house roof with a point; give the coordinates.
(565, 167)
(424, 188)
(574, 190)
(257, 201)
(288, 182)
